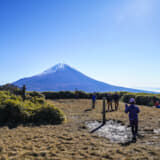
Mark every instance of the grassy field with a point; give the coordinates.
(72, 140)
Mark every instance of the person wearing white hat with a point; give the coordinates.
(133, 111)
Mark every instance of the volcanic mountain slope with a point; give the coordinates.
(63, 77)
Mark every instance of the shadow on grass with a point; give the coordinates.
(87, 110)
(132, 141)
(128, 143)
(113, 110)
(94, 130)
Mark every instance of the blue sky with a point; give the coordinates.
(113, 41)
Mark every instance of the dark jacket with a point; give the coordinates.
(116, 97)
(94, 98)
(109, 98)
(133, 111)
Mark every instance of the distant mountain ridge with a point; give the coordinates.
(63, 77)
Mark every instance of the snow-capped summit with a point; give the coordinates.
(59, 66)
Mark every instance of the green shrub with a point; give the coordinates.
(51, 95)
(37, 100)
(125, 98)
(11, 111)
(3, 114)
(11, 88)
(4, 95)
(66, 95)
(141, 98)
(48, 114)
(76, 94)
(35, 94)
(35, 110)
(146, 100)
(82, 94)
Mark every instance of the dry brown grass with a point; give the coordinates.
(72, 141)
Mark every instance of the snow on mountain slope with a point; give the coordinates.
(63, 77)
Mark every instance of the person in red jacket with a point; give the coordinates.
(157, 104)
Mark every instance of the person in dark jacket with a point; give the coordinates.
(94, 99)
(109, 101)
(116, 100)
(76, 93)
(133, 111)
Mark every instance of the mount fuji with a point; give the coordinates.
(63, 77)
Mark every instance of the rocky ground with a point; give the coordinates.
(73, 141)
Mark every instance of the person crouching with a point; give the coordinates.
(133, 111)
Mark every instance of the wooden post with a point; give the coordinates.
(24, 92)
(104, 111)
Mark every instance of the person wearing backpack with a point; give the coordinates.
(133, 111)
(116, 100)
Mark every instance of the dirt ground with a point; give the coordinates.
(73, 141)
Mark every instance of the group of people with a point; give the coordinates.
(110, 99)
(132, 109)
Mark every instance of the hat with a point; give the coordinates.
(132, 100)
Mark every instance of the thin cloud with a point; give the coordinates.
(136, 10)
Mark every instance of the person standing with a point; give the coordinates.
(133, 111)
(116, 100)
(76, 93)
(94, 97)
(109, 101)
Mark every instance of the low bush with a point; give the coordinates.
(11, 88)
(146, 100)
(65, 95)
(69, 95)
(35, 94)
(11, 111)
(126, 97)
(76, 94)
(141, 98)
(48, 114)
(35, 110)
